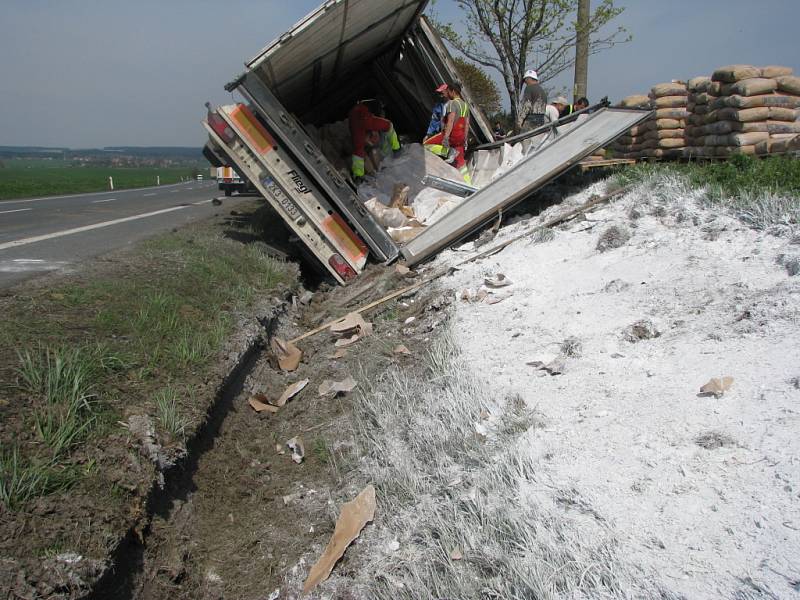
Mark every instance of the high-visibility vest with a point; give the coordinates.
(461, 126)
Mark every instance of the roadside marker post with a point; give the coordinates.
(110, 183)
(158, 179)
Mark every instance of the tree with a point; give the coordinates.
(512, 36)
(484, 91)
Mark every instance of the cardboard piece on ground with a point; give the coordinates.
(291, 392)
(499, 281)
(345, 342)
(279, 449)
(332, 388)
(553, 367)
(402, 270)
(491, 299)
(352, 519)
(717, 387)
(260, 403)
(298, 450)
(287, 354)
(401, 349)
(352, 323)
(340, 353)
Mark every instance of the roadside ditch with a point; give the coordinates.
(237, 514)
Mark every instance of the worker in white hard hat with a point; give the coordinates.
(534, 103)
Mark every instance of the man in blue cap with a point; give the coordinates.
(437, 116)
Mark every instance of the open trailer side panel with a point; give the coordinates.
(587, 136)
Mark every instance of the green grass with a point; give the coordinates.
(735, 177)
(168, 413)
(120, 341)
(31, 178)
(22, 478)
(763, 193)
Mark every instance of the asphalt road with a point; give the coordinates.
(40, 235)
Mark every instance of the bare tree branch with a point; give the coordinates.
(511, 36)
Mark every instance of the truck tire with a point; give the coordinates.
(228, 191)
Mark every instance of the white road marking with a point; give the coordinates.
(146, 195)
(203, 202)
(58, 234)
(28, 260)
(28, 265)
(106, 200)
(5, 212)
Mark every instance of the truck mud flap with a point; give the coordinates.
(315, 168)
(563, 152)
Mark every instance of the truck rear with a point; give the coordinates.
(344, 51)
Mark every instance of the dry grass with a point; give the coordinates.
(450, 481)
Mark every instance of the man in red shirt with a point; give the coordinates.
(451, 144)
(362, 124)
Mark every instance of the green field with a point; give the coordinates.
(29, 178)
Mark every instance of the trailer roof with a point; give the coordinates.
(330, 43)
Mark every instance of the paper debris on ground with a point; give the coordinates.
(456, 554)
(298, 450)
(352, 519)
(553, 367)
(401, 349)
(340, 353)
(499, 281)
(345, 342)
(493, 299)
(352, 323)
(287, 354)
(402, 270)
(260, 403)
(332, 388)
(717, 387)
(279, 449)
(291, 392)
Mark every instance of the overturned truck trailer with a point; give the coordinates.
(345, 51)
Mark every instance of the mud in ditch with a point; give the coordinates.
(244, 516)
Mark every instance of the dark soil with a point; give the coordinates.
(249, 517)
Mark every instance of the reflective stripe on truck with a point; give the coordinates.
(248, 165)
(304, 194)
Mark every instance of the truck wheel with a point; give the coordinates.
(228, 191)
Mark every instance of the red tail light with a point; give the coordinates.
(344, 270)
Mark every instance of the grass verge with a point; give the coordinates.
(761, 192)
(86, 351)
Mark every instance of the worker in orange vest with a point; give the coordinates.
(451, 144)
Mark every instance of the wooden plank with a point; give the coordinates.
(535, 171)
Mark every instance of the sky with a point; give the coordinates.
(93, 73)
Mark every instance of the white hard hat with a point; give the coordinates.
(532, 74)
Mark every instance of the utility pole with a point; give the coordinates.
(582, 50)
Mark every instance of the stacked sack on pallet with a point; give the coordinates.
(634, 143)
(663, 135)
(743, 109)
